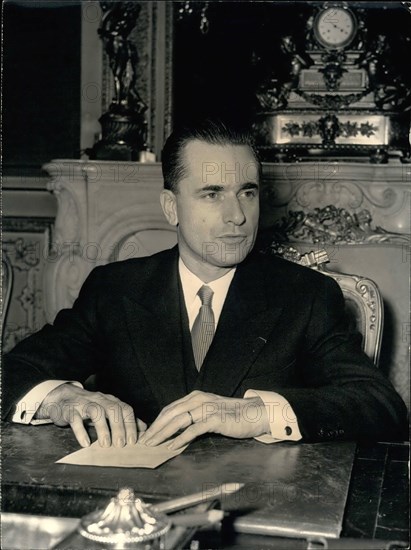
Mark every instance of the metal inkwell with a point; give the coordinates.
(126, 522)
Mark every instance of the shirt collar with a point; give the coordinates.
(191, 283)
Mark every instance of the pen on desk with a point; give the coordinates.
(198, 519)
(216, 493)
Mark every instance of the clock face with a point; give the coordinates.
(335, 28)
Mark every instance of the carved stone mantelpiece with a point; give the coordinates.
(383, 190)
(106, 211)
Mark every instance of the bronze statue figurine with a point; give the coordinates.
(124, 128)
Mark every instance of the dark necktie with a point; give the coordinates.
(203, 329)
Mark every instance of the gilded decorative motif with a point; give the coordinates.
(330, 127)
(330, 102)
(332, 225)
(333, 69)
(349, 129)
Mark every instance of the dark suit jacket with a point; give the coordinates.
(282, 329)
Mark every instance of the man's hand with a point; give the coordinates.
(200, 412)
(113, 420)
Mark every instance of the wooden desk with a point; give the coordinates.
(377, 505)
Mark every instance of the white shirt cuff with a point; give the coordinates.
(28, 405)
(281, 417)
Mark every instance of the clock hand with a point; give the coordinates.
(338, 28)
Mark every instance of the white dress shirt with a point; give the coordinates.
(282, 420)
(28, 405)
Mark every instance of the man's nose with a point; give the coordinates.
(233, 211)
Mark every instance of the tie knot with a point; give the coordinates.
(206, 295)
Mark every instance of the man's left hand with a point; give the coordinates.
(198, 413)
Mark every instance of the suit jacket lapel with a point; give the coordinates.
(246, 321)
(154, 321)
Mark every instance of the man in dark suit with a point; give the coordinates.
(207, 337)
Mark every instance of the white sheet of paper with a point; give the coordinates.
(130, 456)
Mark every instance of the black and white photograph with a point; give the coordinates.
(205, 298)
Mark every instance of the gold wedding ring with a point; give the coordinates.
(191, 417)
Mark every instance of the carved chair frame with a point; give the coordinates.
(360, 290)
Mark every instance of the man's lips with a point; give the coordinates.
(232, 238)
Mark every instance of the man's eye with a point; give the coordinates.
(250, 193)
(212, 195)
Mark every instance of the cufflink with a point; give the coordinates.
(288, 430)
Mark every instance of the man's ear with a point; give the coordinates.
(169, 205)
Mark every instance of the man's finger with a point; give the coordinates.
(174, 410)
(79, 430)
(97, 414)
(193, 431)
(170, 412)
(185, 403)
(159, 423)
(141, 426)
(196, 394)
(114, 413)
(177, 423)
(155, 427)
(129, 422)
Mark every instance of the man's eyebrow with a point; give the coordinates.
(217, 188)
(250, 185)
(211, 188)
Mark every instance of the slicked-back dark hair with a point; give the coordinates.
(212, 131)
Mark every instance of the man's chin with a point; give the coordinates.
(229, 261)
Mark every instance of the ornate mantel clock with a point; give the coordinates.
(335, 28)
(341, 97)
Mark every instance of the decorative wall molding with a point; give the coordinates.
(30, 225)
(26, 243)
